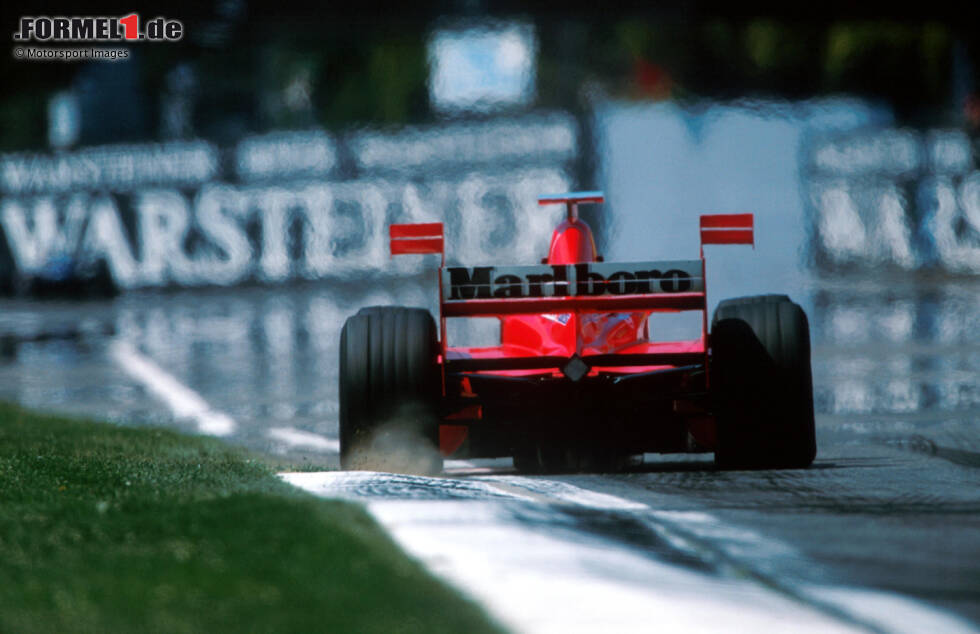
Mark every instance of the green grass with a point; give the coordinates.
(107, 529)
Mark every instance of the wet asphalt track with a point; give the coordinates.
(892, 503)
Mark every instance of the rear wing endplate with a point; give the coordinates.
(727, 229)
(424, 237)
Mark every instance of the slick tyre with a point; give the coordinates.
(761, 384)
(389, 389)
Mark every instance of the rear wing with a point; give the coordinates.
(592, 287)
(571, 197)
(572, 200)
(489, 291)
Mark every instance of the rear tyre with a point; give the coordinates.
(389, 390)
(761, 384)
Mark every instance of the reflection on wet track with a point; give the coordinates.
(546, 555)
(892, 504)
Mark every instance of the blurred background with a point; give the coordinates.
(218, 205)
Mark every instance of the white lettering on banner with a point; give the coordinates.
(879, 231)
(221, 213)
(970, 201)
(33, 243)
(898, 198)
(318, 202)
(30, 246)
(308, 153)
(119, 168)
(892, 234)
(840, 227)
(949, 152)
(549, 137)
(158, 214)
(358, 240)
(891, 152)
(105, 238)
(273, 206)
(942, 218)
(516, 228)
(312, 230)
(164, 222)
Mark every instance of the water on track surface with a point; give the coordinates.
(874, 516)
(892, 503)
(511, 541)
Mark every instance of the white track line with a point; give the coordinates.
(543, 576)
(891, 612)
(299, 439)
(184, 402)
(879, 610)
(540, 575)
(876, 609)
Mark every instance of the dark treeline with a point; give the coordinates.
(249, 66)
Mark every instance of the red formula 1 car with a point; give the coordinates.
(576, 383)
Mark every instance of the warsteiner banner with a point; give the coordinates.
(297, 205)
(895, 198)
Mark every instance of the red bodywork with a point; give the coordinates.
(483, 387)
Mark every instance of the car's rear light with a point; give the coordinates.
(575, 369)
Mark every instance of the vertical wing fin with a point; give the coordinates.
(416, 238)
(728, 229)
